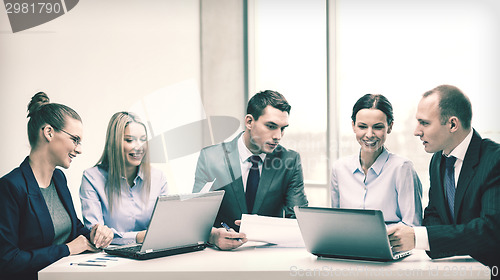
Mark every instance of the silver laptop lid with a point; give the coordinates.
(347, 233)
(182, 220)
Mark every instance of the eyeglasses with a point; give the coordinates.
(76, 139)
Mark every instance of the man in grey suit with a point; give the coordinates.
(259, 176)
(463, 215)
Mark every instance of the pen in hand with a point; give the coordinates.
(228, 229)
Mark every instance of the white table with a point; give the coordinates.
(264, 263)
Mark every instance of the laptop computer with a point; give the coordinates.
(179, 224)
(345, 233)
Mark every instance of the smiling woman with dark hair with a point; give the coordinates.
(376, 178)
(38, 223)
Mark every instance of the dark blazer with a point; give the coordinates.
(26, 228)
(281, 185)
(475, 230)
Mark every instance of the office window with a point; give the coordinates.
(288, 53)
(401, 49)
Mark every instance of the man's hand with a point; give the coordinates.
(401, 237)
(227, 240)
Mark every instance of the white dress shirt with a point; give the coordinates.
(421, 237)
(245, 163)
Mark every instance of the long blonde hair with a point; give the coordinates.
(113, 158)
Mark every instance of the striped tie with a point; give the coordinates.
(449, 183)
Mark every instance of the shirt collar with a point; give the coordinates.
(140, 174)
(376, 166)
(460, 150)
(244, 152)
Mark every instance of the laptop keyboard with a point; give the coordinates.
(132, 249)
(399, 255)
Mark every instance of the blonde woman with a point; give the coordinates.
(38, 223)
(121, 189)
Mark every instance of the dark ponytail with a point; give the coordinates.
(42, 112)
(37, 101)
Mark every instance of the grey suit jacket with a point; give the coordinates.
(281, 185)
(475, 230)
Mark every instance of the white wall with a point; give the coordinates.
(100, 58)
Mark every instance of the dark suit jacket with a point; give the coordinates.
(26, 229)
(475, 230)
(281, 185)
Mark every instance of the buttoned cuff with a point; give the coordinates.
(421, 238)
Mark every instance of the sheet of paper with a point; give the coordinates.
(207, 186)
(280, 231)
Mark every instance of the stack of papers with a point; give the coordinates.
(280, 231)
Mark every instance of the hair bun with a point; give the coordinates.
(37, 101)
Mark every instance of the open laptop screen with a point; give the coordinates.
(344, 233)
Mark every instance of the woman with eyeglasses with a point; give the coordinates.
(38, 223)
(376, 178)
(121, 189)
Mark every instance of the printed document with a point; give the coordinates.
(280, 231)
